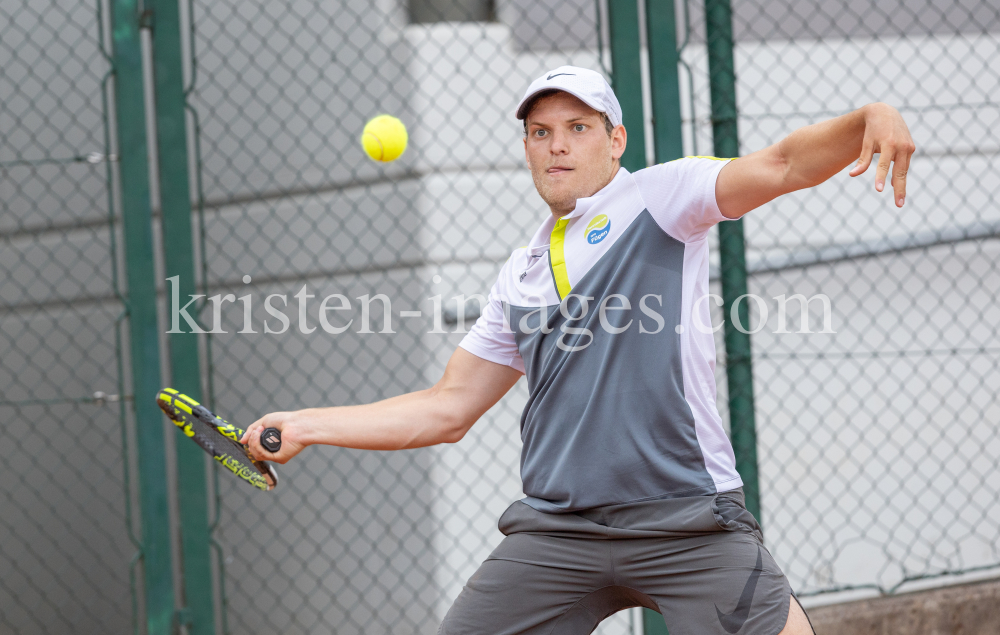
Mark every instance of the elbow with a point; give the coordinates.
(793, 174)
(453, 436)
(453, 428)
(782, 166)
(442, 429)
(450, 422)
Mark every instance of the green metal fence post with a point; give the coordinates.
(178, 257)
(626, 78)
(143, 332)
(732, 252)
(661, 36)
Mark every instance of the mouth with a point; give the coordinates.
(558, 169)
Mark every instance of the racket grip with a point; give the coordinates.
(271, 440)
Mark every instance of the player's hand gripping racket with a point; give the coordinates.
(220, 438)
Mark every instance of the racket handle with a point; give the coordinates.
(271, 439)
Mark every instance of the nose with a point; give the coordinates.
(560, 143)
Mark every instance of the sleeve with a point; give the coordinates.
(680, 195)
(488, 338)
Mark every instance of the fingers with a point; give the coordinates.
(253, 445)
(867, 151)
(246, 434)
(900, 169)
(887, 135)
(884, 161)
(291, 443)
(251, 438)
(260, 453)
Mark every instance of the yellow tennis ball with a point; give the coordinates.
(384, 138)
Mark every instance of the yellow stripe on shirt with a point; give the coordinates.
(557, 257)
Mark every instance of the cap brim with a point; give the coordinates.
(528, 99)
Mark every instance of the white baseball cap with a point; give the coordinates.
(588, 86)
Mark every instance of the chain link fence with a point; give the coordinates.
(66, 555)
(366, 541)
(878, 443)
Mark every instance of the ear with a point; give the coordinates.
(618, 139)
(526, 157)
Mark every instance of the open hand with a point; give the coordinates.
(887, 135)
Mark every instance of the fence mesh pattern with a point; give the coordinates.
(371, 542)
(64, 544)
(878, 442)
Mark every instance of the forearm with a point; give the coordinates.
(813, 154)
(441, 414)
(413, 420)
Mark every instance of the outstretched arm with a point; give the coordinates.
(440, 414)
(812, 154)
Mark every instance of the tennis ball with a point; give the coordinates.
(384, 138)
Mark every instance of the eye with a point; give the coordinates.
(541, 132)
(579, 127)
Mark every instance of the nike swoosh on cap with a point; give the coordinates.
(558, 74)
(734, 621)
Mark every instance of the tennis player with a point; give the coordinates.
(631, 492)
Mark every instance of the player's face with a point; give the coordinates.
(569, 151)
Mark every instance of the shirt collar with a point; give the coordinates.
(539, 243)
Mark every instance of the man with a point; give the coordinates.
(632, 496)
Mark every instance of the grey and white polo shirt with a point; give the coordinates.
(606, 312)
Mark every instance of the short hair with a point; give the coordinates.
(608, 126)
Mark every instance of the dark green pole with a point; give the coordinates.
(130, 120)
(178, 256)
(661, 35)
(626, 78)
(661, 38)
(732, 252)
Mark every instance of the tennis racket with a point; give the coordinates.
(220, 438)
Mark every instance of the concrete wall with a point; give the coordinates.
(972, 609)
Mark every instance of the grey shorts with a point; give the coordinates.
(700, 561)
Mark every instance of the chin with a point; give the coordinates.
(558, 195)
(559, 200)
(562, 191)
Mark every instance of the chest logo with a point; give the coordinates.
(598, 229)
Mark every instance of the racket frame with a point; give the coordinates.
(178, 406)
